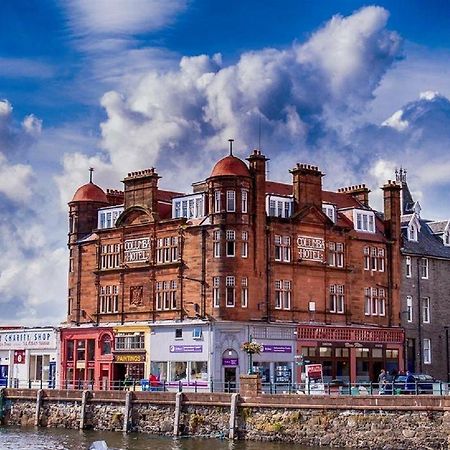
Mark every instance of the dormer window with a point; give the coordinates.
(364, 221)
(446, 238)
(107, 217)
(278, 206)
(190, 206)
(412, 232)
(330, 211)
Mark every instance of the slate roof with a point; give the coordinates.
(438, 227)
(428, 244)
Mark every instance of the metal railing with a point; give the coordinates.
(361, 388)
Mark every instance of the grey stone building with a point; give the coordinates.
(425, 290)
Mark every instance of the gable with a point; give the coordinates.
(136, 215)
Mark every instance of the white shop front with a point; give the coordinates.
(180, 355)
(29, 357)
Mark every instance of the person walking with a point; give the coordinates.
(382, 379)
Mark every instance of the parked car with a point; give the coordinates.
(412, 383)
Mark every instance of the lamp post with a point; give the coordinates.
(250, 358)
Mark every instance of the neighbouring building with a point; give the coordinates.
(29, 357)
(425, 292)
(304, 271)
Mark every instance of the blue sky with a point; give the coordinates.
(356, 88)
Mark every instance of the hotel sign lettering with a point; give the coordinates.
(311, 248)
(137, 250)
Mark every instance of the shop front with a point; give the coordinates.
(350, 354)
(275, 363)
(29, 357)
(86, 358)
(131, 354)
(180, 355)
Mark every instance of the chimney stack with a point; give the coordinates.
(307, 186)
(360, 192)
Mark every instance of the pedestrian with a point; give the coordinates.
(382, 378)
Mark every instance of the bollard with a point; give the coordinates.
(84, 399)
(233, 411)
(39, 395)
(127, 411)
(176, 421)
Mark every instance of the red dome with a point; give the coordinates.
(230, 165)
(90, 192)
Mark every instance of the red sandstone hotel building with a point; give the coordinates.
(172, 284)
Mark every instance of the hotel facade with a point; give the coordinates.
(172, 284)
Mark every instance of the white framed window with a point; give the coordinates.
(167, 250)
(282, 248)
(189, 206)
(366, 258)
(217, 243)
(374, 301)
(367, 301)
(412, 232)
(231, 201)
(337, 299)
(217, 202)
(336, 254)
(244, 201)
(408, 268)
(39, 368)
(409, 309)
(381, 302)
(278, 206)
(107, 217)
(244, 292)
(424, 268)
(272, 208)
(283, 294)
(373, 259)
(427, 351)
(110, 256)
(426, 316)
(166, 295)
(109, 299)
(231, 243)
(364, 221)
(230, 292)
(216, 292)
(446, 238)
(330, 211)
(380, 259)
(244, 250)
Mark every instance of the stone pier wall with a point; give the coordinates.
(388, 423)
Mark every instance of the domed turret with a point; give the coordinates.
(90, 192)
(230, 166)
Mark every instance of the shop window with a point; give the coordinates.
(39, 367)
(391, 354)
(159, 370)
(106, 345)
(342, 352)
(263, 370)
(197, 333)
(377, 353)
(69, 350)
(325, 352)
(178, 371)
(178, 333)
(91, 349)
(130, 341)
(81, 350)
(199, 370)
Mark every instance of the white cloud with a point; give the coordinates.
(32, 125)
(395, 121)
(122, 16)
(15, 180)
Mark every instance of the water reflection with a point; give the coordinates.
(13, 438)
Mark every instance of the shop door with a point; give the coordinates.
(51, 375)
(3, 376)
(230, 379)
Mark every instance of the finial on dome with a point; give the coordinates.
(231, 146)
(91, 169)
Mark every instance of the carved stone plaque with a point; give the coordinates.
(136, 295)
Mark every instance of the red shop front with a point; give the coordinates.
(351, 354)
(86, 358)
